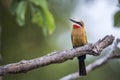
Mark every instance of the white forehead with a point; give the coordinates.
(76, 19)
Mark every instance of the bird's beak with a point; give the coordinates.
(75, 21)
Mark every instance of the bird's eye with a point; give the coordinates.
(80, 24)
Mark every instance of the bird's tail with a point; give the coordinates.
(82, 69)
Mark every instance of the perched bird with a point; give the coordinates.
(78, 37)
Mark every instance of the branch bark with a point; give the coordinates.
(56, 57)
(113, 54)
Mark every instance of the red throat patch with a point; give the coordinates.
(76, 26)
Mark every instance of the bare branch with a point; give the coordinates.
(56, 57)
(113, 54)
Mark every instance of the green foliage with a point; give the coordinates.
(40, 13)
(20, 12)
(117, 19)
(13, 6)
(42, 16)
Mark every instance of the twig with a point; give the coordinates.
(113, 54)
(56, 57)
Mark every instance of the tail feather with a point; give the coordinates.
(82, 69)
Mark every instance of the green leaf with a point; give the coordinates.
(20, 12)
(37, 16)
(49, 21)
(13, 6)
(43, 17)
(117, 19)
(40, 3)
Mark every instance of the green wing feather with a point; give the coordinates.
(72, 38)
(86, 37)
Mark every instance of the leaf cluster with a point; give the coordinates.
(40, 13)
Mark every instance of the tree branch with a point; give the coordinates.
(113, 54)
(56, 57)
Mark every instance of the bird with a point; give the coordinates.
(78, 38)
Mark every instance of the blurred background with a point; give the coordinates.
(33, 28)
